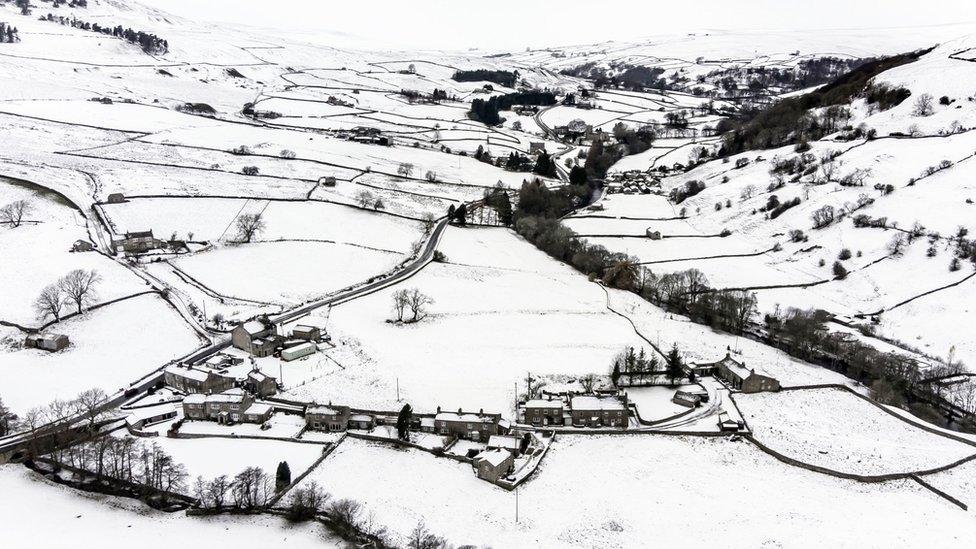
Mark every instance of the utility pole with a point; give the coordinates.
(398, 389)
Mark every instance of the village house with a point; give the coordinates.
(259, 412)
(744, 379)
(543, 412)
(256, 337)
(599, 411)
(137, 242)
(47, 342)
(194, 380)
(231, 406)
(260, 383)
(327, 418)
(477, 427)
(504, 442)
(493, 465)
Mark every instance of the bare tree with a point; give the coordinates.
(429, 222)
(346, 513)
(418, 303)
(50, 302)
(13, 213)
(400, 300)
(248, 226)
(5, 419)
(748, 192)
(588, 381)
(823, 216)
(405, 169)
(923, 105)
(251, 488)
(90, 405)
(422, 538)
(364, 198)
(79, 287)
(430, 176)
(306, 501)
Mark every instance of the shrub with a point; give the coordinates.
(840, 272)
(844, 255)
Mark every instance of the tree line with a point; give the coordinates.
(150, 43)
(502, 78)
(8, 33)
(486, 110)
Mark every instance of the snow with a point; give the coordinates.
(677, 489)
(110, 347)
(834, 429)
(48, 514)
(282, 425)
(542, 318)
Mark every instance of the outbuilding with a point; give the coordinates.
(493, 465)
(298, 351)
(47, 342)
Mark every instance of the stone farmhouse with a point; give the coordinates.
(327, 418)
(543, 412)
(47, 342)
(256, 337)
(260, 383)
(194, 380)
(599, 410)
(473, 426)
(493, 465)
(744, 379)
(136, 242)
(232, 406)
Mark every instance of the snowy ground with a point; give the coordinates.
(502, 309)
(48, 515)
(110, 347)
(837, 430)
(677, 490)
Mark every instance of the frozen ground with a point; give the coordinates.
(501, 310)
(837, 430)
(622, 491)
(110, 347)
(48, 515)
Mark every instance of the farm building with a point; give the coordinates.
(503, 442)
(543, 412)
(685, 398)
(327, 418)
(327, 181)
(744, 379)
(82, 246)
(599, 411)
(260, 383)
(725, 423)
(308, 333)
(467, 425)
(149, 416)
(537, 147)
(136, 242)
(255, 336)
(194, 380)
(298, 351)
(47, 342)
(226, 407)
(116, 198)
(493, 465)
(361, 421)
(258, 412)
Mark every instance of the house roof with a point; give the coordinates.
(502, 441)
(188, 373)
(465, 417)
(543, 403)
(259, 408)
(197, 398)
(254, 327)
(593, 403)
(324, 410)
(258, 375)
(229, 397)
(360, 417)
(494, 457)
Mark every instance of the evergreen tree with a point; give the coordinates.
(403, 422)
(504, 208)
(282, 476)
(544, 166)
(577, 175)
(450, 212)
(461, 215)
(675, 371)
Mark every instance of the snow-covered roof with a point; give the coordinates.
(231, 395)
(258, 375)
(189, 373)
(324, 410)
(259, 408)
(426, 422)
(543, 403)
(468, 418)
(502, 441)
(494, 457)
(308, 346)
(253, 327)
(195, 399)
(361, 417)
(596, 403)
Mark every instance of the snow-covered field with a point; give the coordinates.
(290, 272)
(110, 347)
(623, 491)
(501, 310)
(834, 429)
(50, 515)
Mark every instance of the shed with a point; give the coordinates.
(298, 351)
(47, 342)
(492, 465)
